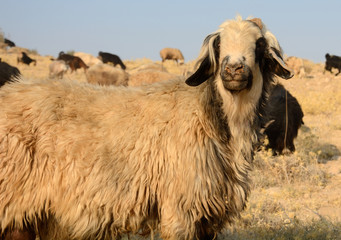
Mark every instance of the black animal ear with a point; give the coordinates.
(206, 68)
(201, 75)
(278, 66)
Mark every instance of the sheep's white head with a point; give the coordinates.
(237, 54)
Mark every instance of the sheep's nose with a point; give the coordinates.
(234, 69)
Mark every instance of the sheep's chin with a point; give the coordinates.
(235, 85)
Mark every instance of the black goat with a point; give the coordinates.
(26, 59)
(332, 61)
(114, 59)
(8, 73)
(283, 117)
(9, 43)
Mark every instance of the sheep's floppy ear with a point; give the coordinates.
(201, 74)
(276, 62)
(207, 60)
(279, 68)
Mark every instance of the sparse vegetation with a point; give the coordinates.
(71, 52)
(2, 36)
(293, 229)
(33, 51)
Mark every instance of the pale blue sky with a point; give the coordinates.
(135, 29)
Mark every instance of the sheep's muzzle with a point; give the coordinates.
(235, 76)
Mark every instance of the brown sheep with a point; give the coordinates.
(297, 65)
(172, 54)
(74, 62)
(104, 74)
(57, 69)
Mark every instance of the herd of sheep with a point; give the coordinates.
(156, 154)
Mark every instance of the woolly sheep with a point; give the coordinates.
(297, 65)
(172, 54)
(88, 162)
(57, 69)
(104, 74)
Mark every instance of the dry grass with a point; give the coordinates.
(295, 229)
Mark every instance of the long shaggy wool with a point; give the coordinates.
(65, 151)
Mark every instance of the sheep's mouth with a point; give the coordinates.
(235, 76)
(235, 85)
(237, 82)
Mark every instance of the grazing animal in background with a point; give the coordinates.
(89, 162)
(57, 69)
(332, 61)
(297, 65)
(8, 73)
(73, 61)
(104, 74)
(172, 54)
(283, 117)
(9, 43)
(77, 63)
(111, 58)
(25, 59)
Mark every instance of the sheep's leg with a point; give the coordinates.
(175, 226)
(204, 231)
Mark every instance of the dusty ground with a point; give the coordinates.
(308, 185)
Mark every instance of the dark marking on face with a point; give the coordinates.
(236, 76)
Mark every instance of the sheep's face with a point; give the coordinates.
(237, 56)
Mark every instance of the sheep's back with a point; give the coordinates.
(86, 140)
